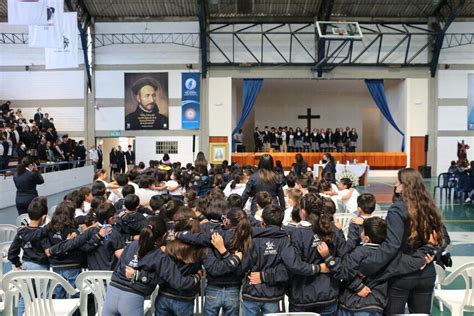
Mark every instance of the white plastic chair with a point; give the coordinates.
(4, 246)
(440, 276)
(37, 288)
(345, 220)
(24, 219)
(7, 232)
(93, 282)
(149, 305)
(458, 301)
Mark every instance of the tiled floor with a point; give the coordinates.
(459, 218)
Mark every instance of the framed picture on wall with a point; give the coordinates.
(219, 152)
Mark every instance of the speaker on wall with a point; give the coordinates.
(194, 144)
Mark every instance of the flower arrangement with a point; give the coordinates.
(346, 173)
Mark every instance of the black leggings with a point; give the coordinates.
(416, 292)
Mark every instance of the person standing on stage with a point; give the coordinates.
(291, 140)
(284, 140)
(306, 139)
(266, 139)
(258, 137)
(113, 159)
(101, 157)
(298, 140)
(346, 139)
(353, 140)
(121, 159)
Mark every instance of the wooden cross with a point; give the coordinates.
(309, 117)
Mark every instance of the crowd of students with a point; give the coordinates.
(36, 137)
(286, 139)
(257, 234)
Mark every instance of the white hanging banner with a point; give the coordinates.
(67, 55)
(27, 12)
(48, 35)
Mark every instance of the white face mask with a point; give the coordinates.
(173, 177)
(23, 146)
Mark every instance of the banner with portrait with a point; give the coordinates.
(190, 100)
(146, 101)
(66, 56)
(470, 102)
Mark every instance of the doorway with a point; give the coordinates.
(110, 142)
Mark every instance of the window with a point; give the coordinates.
(166, 147)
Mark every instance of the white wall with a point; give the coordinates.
(145, 148)
(220, 108)
(41, 85)
(452, 117)
(396, 93)
(55, 182)
(150, 53)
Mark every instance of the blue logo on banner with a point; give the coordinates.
(190, 100)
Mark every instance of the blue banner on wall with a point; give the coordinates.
(470, 102)
(190, 100)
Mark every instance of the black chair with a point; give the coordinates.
(464, 185)
(445, 184)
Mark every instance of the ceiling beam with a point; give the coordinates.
(444, 14)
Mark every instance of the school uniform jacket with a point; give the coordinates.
(29, 239)
(155, 263)
(321, 289)
(100, 251)
(397, 234)
(255, 185)
(271, 249)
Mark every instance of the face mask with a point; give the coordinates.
(173, 177)
(23, 147)
(324, 161)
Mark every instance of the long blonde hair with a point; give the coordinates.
(424, 216)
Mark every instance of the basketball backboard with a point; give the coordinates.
(339, 30)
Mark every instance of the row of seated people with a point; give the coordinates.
(151, 237)
(286, 139)
(36, 137)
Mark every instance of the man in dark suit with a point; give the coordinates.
(80, 153)
(26, 178)
(121, 160)
(101, 157)
(38, 117)
(147, 114)
(130, 157)
(45, 123)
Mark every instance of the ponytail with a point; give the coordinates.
(242, 237)
(150, 234)
(320, 217)
(237, 179)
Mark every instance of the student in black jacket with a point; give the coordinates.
(224, 277)
(62, 226)
(26, 179)
(188, 258)
(330, 166)
(28, 238)
(143, 265)
(271, 249)
(319, 293)
(410, 222)
(102, 245)
(130, 221)
(265, 179)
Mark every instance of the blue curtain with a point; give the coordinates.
(377, 90)
(251, 89)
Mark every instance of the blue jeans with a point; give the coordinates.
(166, 306)
(118, 302)
(227, 298)
(345, 312)
(253, 308)
(28, 266)
(327, 310)
(70, 276)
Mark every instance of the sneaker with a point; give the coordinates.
(467, 200)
